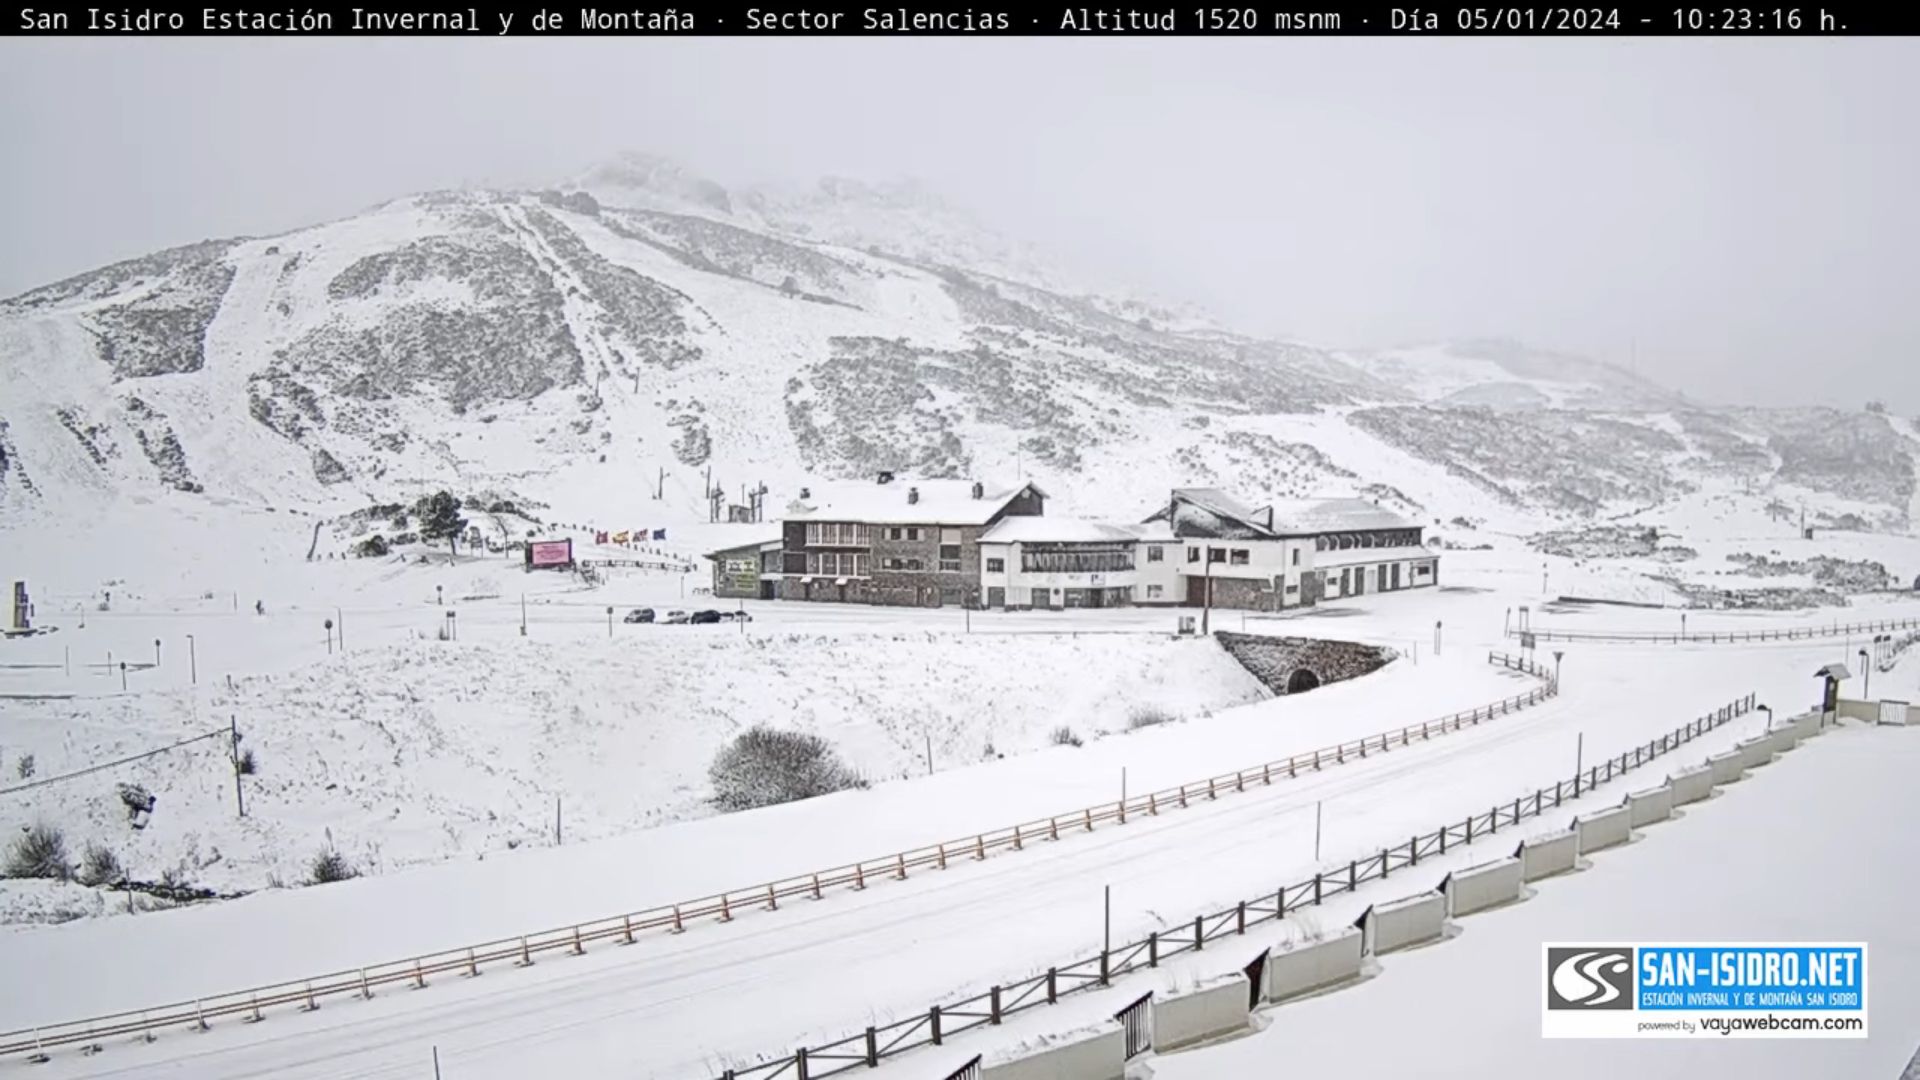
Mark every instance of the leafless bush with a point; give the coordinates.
(764, 766)
(1145, 716)
(330, 866)
(25, 767)
(1065, 736)
(100, 866)
(245, 763)
(40, 852)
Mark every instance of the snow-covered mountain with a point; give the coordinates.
(586, 348)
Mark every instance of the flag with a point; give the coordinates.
(659, 534)
(620, 538)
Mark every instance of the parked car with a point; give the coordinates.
(639, 615)
(674, 617)
(705, 617)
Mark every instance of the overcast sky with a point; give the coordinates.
(1744, 210)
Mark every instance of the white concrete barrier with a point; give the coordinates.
(1784, 738)
(1859, 710)
(1728, 767)
(1691, 785)
(1603, 830)
(1406, 922)
(1200, 1014)
(1096, 1054)
(1756, 752)
(1647, 807)
(1306, 968)
(1545, 856)
(1484, 886)
(1808, 724)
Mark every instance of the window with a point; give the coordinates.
(1193, 554)
(1319, 543)
(1238, 557)
(950, 558)
(913, 533)
(1075, 558)
(908, 565)
(950, 536)
(1215, 554)
(1155, 553)
(836, 534)
(996, 566)
(837, 564)
(893, 533)
(1153, 592)
(1296, 556)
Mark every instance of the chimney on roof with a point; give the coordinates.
(979, 490)
(913, 496)
(884, 478)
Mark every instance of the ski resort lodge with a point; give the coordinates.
(939, 542)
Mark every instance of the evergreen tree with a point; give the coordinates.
(440, 519)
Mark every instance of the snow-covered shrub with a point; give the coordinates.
(25, 767)
(1145, 716)
(245, 763)
(764, 766)
(40, 852)
(1065, 736)
(330, 866)
(100, 866)
(372, 547)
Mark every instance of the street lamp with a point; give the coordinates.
(609, 620)
(1436, 637)
(1866, 689)
(1557, 654)
(156, 652)
(329, 625)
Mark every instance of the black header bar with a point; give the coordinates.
(618, 18)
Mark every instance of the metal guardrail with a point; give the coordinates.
(1719, 637)
(467, 961)
(1099, 970)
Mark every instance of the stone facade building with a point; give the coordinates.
(909, 543)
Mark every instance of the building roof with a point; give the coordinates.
(1308, 517)
(941, 502)
(761, 544)
(1214, 514)
(1046, 530)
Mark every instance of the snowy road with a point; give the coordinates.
(672, 1007)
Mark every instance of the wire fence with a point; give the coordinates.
(932, 1027)
(217, 733)
(724, 907)
(1721, 637)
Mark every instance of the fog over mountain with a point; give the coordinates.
(1732, 218)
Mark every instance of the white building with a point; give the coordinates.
(1359, 547)
(1046, 562)
(1236, 553)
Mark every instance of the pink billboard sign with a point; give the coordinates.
(543, 553)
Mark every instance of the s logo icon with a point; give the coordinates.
(1594, 978)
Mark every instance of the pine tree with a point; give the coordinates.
(440, 519)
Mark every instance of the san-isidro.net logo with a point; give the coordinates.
(1704, 990)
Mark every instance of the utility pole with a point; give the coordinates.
(1123, 785)
(1318, 806)
(556, 821)
(929, 754)
(1579, 756)
(233, 733)
(1206, 600)
(523, 614)
(340, 628)
(1436, 637)
(123, 674)
(1106, 923)
(156, 652)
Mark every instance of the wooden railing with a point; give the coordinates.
(415, 971)
(1098, 970)
(1720, 637)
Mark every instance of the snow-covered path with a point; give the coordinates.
(1806, 850)
(670, 1007)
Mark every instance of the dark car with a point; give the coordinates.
(705, 617)
(639, 614)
